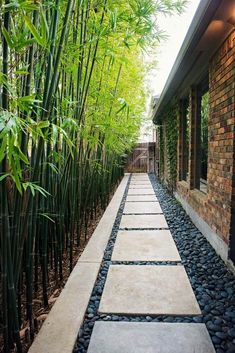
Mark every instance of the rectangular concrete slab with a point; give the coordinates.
(142, 207)
(94, 250)
(143, 221)
(141, 198)
(145, 245)
(139, 191)
(148, 290)
(141, 182)
(150, 337)
(139, 174)
(139, 186)
(140, 177)
(59, 331)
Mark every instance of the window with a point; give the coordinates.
(199, 136)
(198, 144)
(184, 142)
(204, 141)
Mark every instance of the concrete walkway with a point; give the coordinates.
(145, 280)
(59, 331)
(147, 289)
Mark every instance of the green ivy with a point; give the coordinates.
(171, 137)
(161, 146)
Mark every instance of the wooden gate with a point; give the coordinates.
(139, 160)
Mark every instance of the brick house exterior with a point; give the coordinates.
(210, 46)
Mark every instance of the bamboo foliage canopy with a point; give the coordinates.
(71, 101)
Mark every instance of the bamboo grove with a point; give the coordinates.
(71, 102)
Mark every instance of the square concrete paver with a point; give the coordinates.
(142, 207)
(150, 337)
(143, 221)
(141, 198)
(139, 191)
(145, 245)
(148, 290)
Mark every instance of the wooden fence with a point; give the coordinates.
(142, 159)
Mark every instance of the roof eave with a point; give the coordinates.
(201, 20)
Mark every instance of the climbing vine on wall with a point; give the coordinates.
(168, 145)
(161, 146)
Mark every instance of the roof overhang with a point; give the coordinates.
(212, 23)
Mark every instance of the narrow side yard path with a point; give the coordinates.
(145, 299)
(147, 282)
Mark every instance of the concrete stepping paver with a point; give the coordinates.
(140, 187)
(148, 290)
(140, 182)
(140, 337)
(59, 331)
(139, 191)
(142, 207)
(139, 175)
(141, 198)
(140, 178)
(147, 245)
(143, 221)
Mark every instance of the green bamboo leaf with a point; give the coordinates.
(114, 20)
(46, 216)
(29, 185)
(41, 190)
(25, 43)
(3, 148)
(43, 124)
(24, 5)
(34, 187)
(3, 78)
(28, 5)
(16, 179)
(40, 40)
(22, 156)
(53, 167)
(21, 72)
(68, 141)
(4, 176)
(8, 38)
(27, 99)
(12, 4)
(44, 27)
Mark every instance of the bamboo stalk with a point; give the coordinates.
(61, 86)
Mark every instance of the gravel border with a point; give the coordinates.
(212, 282)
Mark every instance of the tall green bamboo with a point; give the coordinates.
(71, 102)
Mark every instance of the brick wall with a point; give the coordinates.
(215, 207)
(221, 137)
